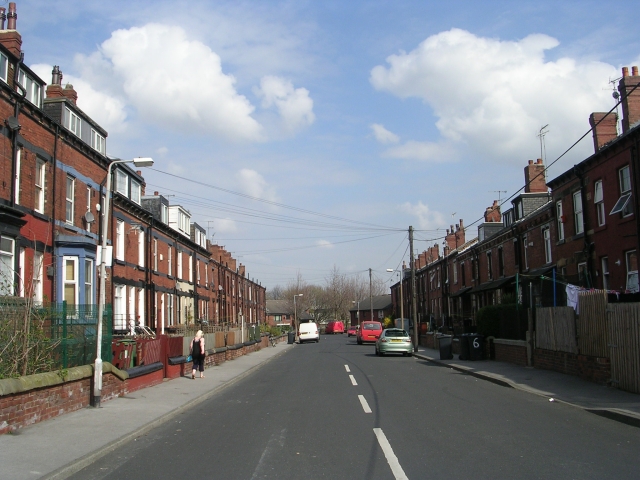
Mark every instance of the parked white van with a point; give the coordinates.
(308, 332)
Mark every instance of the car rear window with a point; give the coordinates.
(371, 326)
(396, 333)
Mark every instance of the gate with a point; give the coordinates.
(623, 325)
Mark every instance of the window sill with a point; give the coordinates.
(578, 236)
(560, 242)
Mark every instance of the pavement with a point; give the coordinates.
(58, 448)
(558, 387)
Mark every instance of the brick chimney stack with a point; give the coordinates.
(70, 93)
(455, 237)
(606, 130)
(492, 213)
(630, 101)
(10, 38)
(535, 178)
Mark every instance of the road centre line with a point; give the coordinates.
(392, 460)
(365, 405)
(346, 367)
(353, 380)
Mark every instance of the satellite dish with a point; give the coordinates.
(89, 218)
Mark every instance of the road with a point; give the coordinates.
(335, 410)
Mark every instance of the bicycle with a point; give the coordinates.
(272, 340)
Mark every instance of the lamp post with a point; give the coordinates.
(401, 299)
(295, 314)
(97, 370)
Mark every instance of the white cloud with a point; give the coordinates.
(107, 110)
(492, 96)
(173, 81)
(412, 150)
(225, 225)
(324, 244)
(294, 105)
(162, 151)
(427, 219)
(252, 183)
(383, 135)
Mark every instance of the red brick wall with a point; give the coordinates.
(511, 353)
(594, 369)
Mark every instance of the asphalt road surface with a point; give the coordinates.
(335, 410)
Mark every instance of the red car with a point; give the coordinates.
(369, 332)
(334, 327)
(353, 331)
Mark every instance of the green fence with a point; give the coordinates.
(74, 328)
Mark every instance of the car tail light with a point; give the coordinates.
(384, 340)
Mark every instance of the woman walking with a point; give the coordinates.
(197, 352)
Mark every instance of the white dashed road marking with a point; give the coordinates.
(365, 405)
(346, 367)
(353, 380)
(396, 469)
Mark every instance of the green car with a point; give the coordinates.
(394, 340)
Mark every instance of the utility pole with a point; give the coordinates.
(414, 315)
(371, 294)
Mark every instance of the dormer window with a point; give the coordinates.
(135, 191)
(4, 67)
(33, 88)
(122, 183)
(74, 123)
(164, 214)
(98, 142)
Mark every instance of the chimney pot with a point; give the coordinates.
(539, 162)
(3, 17)
(625, 71)
(12, 16)
(155, 194)
(530, 162)
(634, 71)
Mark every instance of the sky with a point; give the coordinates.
(306, 136)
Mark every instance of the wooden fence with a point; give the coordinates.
(623, 321)
(556, 329)
(592, 323)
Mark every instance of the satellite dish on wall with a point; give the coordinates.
(89, 218)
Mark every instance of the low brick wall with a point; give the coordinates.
(593, 369)
(510, 351)
(427, 340)
(28, 400)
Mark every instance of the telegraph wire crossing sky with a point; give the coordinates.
(288, 124)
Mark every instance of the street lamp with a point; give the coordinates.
(97, 370)
(401, 300)
(295, 314)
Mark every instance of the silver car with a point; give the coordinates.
(394, 340)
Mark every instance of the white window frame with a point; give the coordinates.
(577, 212)
(4, 67)
(198, 270)
(37, 277)
(179, 266)
(88, 281)
(190, 268)
(7, 265)
(141, 249)
(16, 180)
(604, 261)
(170, 309)
(141, 305)
(67, 281)
(624, 176)
(119, 312)
(598, 201)
(70, 200)
(136, 191)
(74, 123)
(455, 272)
(21, 272)
(33, 89)
(169, 261)
(122, 183)
(164, 213)
(560, 220)
(131, 310)
(98, 142)
(489, 265)
(546, 236)
(119, 240)
(39, 185)
(632, 275)
(155, 254)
